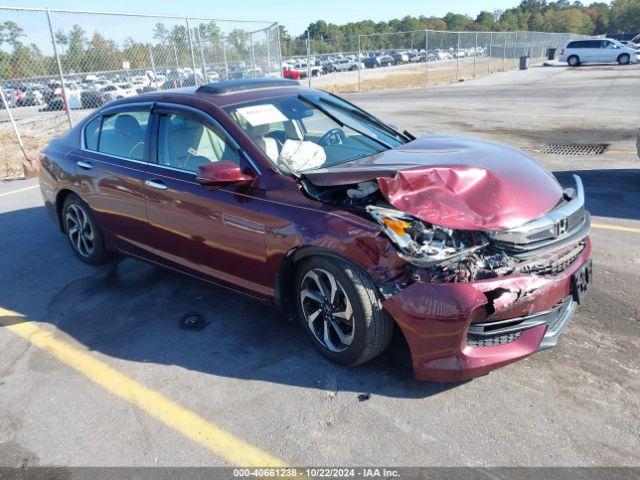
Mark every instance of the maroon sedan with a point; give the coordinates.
(295, 196)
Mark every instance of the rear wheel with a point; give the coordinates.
(341, 312)
(573, 61)
(624, 59)
(83, 232)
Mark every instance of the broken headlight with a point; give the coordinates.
(424, 244)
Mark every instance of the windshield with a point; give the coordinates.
(301, 133)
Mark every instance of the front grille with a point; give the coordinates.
(555, 266)
(575, 149)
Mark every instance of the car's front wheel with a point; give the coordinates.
(82, 231)
(624, 59)
(573, 61)
(341, 311)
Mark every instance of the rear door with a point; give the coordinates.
(215, 233)
(110, 171)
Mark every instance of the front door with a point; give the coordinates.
(212, 232)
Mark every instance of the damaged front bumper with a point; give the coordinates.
(459, 331)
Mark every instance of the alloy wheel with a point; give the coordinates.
(79, 230)
(327, 310)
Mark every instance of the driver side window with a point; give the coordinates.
(186, 143)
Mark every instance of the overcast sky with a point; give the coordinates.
(295, 15)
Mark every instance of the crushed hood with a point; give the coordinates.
(456, 182)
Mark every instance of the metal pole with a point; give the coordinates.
(266, 34)
(426, 57)
(279, 50)
(475, 54)
(153, 65)
(193, 57)
(308, 58)
(13, 125)
(359, 63)
(253, 55)
(490, 52)
(515, 51)
(504, 53)
(204, 65)
(224, 56)
(62, 87)
(458, 59)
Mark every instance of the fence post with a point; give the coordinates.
(253, 54)
(426, 57)
(458, 58)
(515, 51)
(504, 54)
(490, 52)
(62, 87)
(308, 58)
(224, 56)
(3, 99)
(475, 54)
(204, 65)
(193, 57)
(153, 65)
(266, 36)
(359, 62)
(279, 49)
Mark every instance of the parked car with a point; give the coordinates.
(346, 64)
(400, 57)
(296, 197)
(607, 50)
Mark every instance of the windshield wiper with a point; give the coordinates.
(341, 123)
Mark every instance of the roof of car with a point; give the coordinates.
(224, 93)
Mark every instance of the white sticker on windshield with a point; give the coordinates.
(261, 114)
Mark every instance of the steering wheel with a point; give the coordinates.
(335, 136)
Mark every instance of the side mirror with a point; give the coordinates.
(221, 174)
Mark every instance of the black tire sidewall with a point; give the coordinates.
(100, 253)
(342, 270)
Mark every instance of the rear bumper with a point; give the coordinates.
(436, 319)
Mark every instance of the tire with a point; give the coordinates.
(573, 61)
(624, 59)
(86, 238)
(368, 329)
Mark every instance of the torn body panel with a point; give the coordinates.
(435, 319)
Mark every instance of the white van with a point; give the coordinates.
(597, 51)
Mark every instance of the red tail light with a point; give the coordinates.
(562, 51)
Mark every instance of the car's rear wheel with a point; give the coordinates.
(341, 311)
(83, 231)
(624, 59)
(573, 61)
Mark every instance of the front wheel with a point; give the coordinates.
(624, 59)
(341, 311)
(83, 232)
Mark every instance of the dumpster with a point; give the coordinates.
(524, 62)
(551, 53)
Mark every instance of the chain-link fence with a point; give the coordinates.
(412, 59)
(55, 66)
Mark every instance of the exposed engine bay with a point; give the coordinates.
(439, 254)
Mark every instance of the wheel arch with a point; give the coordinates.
(60, 198)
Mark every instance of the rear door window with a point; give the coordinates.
(123, 134)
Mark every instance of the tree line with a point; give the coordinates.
(530, 15)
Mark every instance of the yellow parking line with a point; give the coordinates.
(619, 228)
(4, 194)
(221, 443)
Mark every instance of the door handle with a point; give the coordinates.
(156, 184)
(84, 165)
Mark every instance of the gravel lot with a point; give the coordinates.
(257, 377)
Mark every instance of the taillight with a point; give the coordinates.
(562, 51)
